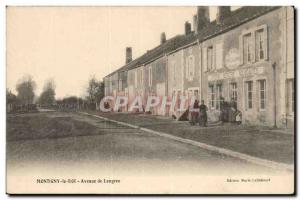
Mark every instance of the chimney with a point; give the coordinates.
(128, 55)
(163, 38)
(187, 28)
(195, 23)
(223, 13)
(202, 18)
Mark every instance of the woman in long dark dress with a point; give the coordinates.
(232, 110)
(203, 114)
(194, 113)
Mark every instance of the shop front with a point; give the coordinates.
(247, 88)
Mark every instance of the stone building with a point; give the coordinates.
(252, 63)
(246, 55)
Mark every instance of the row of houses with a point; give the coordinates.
(246, 55)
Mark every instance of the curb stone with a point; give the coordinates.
(248, 158)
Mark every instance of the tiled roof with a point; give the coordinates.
(236, 18)
(168, 46)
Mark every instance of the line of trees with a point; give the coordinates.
(25, 96)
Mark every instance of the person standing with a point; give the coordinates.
(224, 110)
(195, 112)
(233, 110)
(203, 114)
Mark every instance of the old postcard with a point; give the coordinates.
(150, 100)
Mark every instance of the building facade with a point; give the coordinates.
(155, 81)
(246, 56)
(251, 65)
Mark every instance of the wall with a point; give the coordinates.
(158, 85)
(134, 88)
(175, 76)
(192, 57)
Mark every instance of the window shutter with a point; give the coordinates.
(187, 67)
(214, 57)
(174, 72)
(266, 44)
(149, 68)
(241, 46)
(200, 61)
(135, 79)
(252, 47)
(142, 76)
(219, 56)
(150, 76)
(204, 58)
(193, 65)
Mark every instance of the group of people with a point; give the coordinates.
(228, 112)
(199, 113)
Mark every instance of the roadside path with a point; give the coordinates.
(258, 145)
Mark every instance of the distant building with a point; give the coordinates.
(246, 55)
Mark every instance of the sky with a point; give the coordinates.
(71, 44)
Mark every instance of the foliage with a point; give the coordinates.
(95, 91)
(47, 97)
(25, 88)
(11, 98)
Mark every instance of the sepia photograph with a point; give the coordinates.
(150, 100)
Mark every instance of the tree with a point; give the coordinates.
(25, 88)
(11, 98)
(11, 101)
(47, 97)
(95, 91)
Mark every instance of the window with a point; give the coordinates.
(150, 76)
(254, 45)
(247, 56)
(177, 95)
(219, 55)
(233, 91)
(135, 79)
(262, 94)
(219, 96)
(210, 58)
(140, 77)
(259, 45)
(196, 94)
(212, 96)
(124, 84)
(120, 84)
(249, 94)
(190, 67)
(178, 98)
(291, 96)
(174, 73)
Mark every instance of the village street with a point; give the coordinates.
(61, 142)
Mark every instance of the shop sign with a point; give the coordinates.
(232, 58)
(246, 72)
